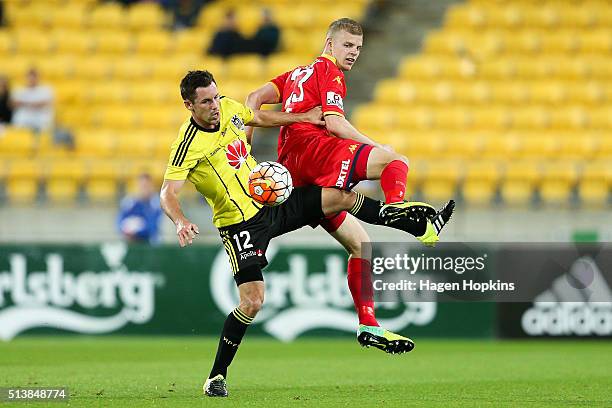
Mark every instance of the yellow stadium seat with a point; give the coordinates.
(163, 117)
(130, 146)
(280, 63)
(590, 93)
(561, 42)
(158, 92)
(603, 150)
(419, 145)
(107, 16)
(74, 42)
(571, 117)
(596, 41)
(114, 42)
(17, 142)
(155, 43)
(491, 118)
(409, 119)
(498, 69)
(548, 92)
(537, 145)
(94, 68)
(367, 114)
(532, 117)
(192, 42)
(249, 67)
(155, 169)
(145, 16)
(104, 93)
(75, 116)
(72, 16)
(519, 182)
(102, 181)
(32, 42)
(464, 16)
(117, 117)
(440, 181)
(133, 69)
(22, 180)
(576, 146)
(96, 144)
(6, 42)
(162, 144)
(464, 146)
(63, 181)
(558, 179)
(56, 68)
(595, 184)
(601, 117)
(174, 70)
(500, 146)
(480, 183)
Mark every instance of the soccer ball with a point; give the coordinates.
(270, 183)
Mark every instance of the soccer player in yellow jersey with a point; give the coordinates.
(212, 152)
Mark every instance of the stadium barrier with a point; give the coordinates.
(116, 288)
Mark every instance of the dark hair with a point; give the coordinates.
(194, 80)
(344, 24)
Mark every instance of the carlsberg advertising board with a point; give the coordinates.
(115, 288)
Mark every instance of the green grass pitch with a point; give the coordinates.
(161, 371)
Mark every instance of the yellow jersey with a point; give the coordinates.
(218, 162)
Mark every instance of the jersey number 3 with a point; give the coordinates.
(305, 72)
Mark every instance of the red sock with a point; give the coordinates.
(393, 181)
(360, 285)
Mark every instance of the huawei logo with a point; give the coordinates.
(236, 153)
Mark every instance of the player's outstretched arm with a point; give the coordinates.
(275, 119)
(340, 127)
(266, 94)
(185, 230)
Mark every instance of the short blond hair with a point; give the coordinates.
(344, 24)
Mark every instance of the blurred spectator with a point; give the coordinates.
(228, 41)
(6, 110)
(185, 12)
(1, 13)
(33, 105)
(139, 215)
(267, 36)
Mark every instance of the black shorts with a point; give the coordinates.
(246, 243)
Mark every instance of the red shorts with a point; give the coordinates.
(325, 161)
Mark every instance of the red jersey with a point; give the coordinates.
(303, 88)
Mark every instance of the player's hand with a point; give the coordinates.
(315, 116)
(186, 232)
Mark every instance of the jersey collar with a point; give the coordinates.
(329, 57)
(214, 130)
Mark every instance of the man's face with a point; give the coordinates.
(345, 47)
(32, 78)
(205, 106)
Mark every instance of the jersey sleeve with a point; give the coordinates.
(183, 158)
(246, 114)
(279, 84)
(332, 89)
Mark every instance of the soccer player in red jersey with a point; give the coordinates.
(338, 155)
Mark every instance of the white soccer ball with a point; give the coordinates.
(270, 183)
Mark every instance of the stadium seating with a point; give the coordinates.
(518, 91)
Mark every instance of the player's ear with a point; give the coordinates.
(188, 104)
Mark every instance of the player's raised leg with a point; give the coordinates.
(412, 221)
(392, 170)
(369, 333)
(236, 324)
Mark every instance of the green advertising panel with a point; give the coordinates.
(116, 288)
